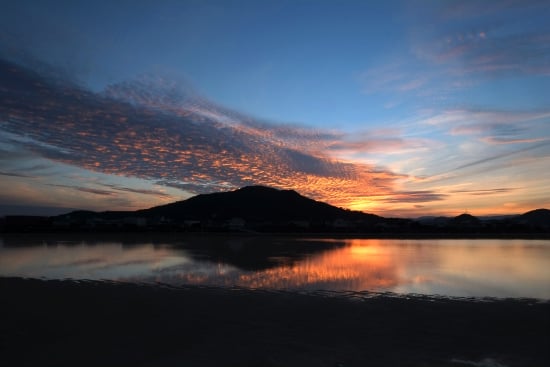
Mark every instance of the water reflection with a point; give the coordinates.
(497, 268)
(83, 261)
(349, 268)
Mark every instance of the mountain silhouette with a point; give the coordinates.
(536, 218)
(251, 208)
(266, 209)
(464, 220)
(254, 203)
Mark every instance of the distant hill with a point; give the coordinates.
(464, 220)
(7, 210)
(536, 218)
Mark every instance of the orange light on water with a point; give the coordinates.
(354, 267)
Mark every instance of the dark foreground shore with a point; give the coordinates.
(65, 323)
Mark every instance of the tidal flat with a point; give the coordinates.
(99, 323)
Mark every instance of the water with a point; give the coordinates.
(448, 267)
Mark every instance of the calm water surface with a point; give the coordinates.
(471, 268)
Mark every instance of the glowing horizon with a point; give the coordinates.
(446, 112)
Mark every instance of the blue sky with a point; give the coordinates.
(394, 107)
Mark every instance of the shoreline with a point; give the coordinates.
(297, 235)
(92, 323)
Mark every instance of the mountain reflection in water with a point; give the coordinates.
(479, 268)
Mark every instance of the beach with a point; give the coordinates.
(94, 323)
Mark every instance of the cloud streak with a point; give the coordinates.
(421, 196)
(137, 191)
(500, 156)
(496, 191)
(87, 190)
(13, 174)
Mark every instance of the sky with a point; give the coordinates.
(397, 108)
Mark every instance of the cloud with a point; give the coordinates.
(504, 55)
(374, 143)
(495, 157)
(396, 78)
(13, 174)
(85, 189)
(419, 196)
(501, 129)
(487, 39)
(485, 192)
(166, 141)
(494, 126)
(455, 47)
(499, 140)
(502, 155)
(137, 191)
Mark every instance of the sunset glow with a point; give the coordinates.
(399, 108)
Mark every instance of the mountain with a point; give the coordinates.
(535, 218)
(464, 220)
(254, 203)
(265, 209)
(251, 208)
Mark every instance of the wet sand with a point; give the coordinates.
(67, 323)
